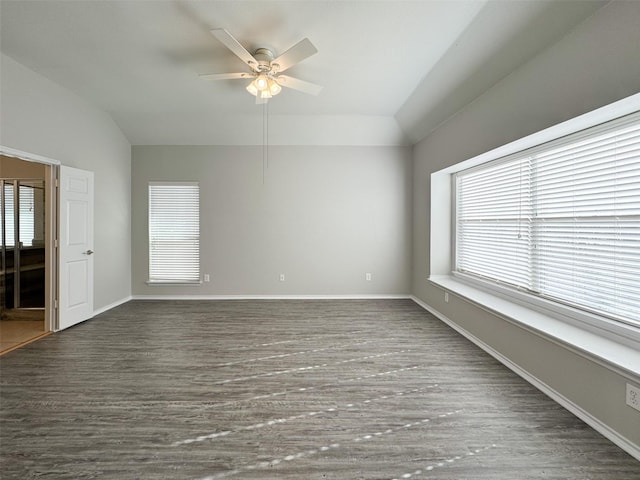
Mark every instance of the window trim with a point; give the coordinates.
(442, 235)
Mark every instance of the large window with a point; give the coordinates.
(559, 221)
(174, 232)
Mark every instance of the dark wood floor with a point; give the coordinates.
(282, 390)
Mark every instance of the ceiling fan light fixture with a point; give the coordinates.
(252, 89)
(274, 87)
(264, 87)
(262, 82)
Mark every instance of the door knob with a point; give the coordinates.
(88, 252)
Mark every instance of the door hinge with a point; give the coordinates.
(55, 243)
(55, 304)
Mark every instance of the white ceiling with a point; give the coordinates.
(391, 70)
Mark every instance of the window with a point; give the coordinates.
(174, 232)
(31, 213)
(559, 221)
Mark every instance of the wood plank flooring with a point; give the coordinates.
(282, 390)
(16, 333)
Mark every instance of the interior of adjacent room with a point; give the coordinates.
(23, 268)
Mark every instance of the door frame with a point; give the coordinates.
(51, 232)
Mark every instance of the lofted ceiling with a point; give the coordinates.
(392, 70)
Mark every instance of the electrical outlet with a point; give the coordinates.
(633, 396)
(367, 276)
(282, 277)
(446, 297)
(207, 277)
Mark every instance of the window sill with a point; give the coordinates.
(173, 284)
(621, 357)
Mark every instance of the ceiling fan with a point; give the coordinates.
(266, 71)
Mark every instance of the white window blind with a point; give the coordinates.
(174, 232)
(27, 214)
(561, 221)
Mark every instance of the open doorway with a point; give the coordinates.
(67, 247)
(25, 253)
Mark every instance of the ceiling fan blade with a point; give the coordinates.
(232, 44)
(225, 76)
(297, 84)
(297, 53)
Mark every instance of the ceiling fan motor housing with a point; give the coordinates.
(264, 56)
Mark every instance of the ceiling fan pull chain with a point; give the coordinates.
(264, 159)
(265, 139)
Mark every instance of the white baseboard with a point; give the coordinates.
(111, 305)
(269, 297)
(621, 441)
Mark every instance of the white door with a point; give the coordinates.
(75, 285)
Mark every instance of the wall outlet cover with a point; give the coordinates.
(633, 396)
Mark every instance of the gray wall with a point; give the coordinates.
(39, 117)
(324, 217)
(596, 64)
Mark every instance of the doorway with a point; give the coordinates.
(24, 252)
